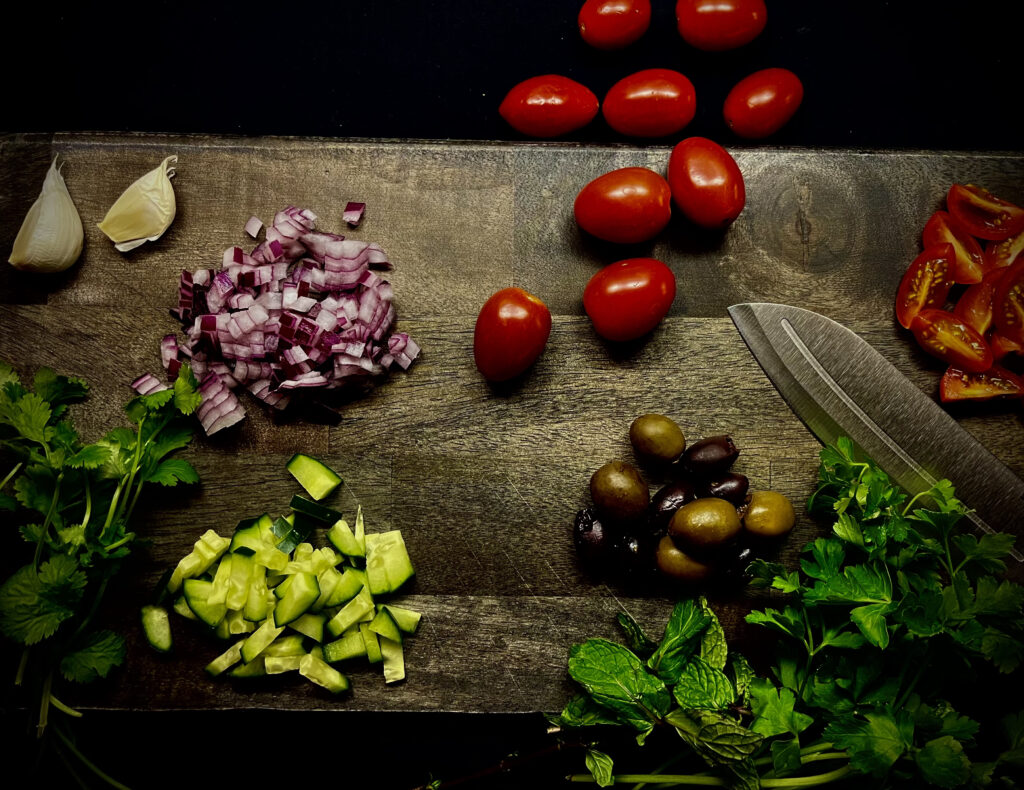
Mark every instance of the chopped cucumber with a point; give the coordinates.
(351, 645)
(248, 539)
(219, 591)
(182, 608)
(314, 510)
(237, 624)
(371, 642)
(394, 660)
(197, 593)
(290, 645)
(259, 639)
(344, 539)
(157, 627)
(387, 562)
(311, 625)
(329, 579)
(318, 479)
(225, 660)
(406, 619)
(352, 581)
(256, 607)
(351, 613)
(384, 626)
(322, 673)
(275, 665)
(242, 568)
(303, 590)
(253, 669)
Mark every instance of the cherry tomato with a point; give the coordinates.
(1003, 253)
(549, 106)
(970, 261)
(1001, 346)
(625, 206)
(995, 382)
(706, 182)
(626, 300)
(1008, 304)
(974, 307)
(945, 336)
(650, 103)
(511, 332)
(983, 214)
(925, 284)
(614, 24)
(761, 104)
(714, 25)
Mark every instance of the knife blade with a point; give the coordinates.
(840, 386)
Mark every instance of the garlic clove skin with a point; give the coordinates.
(144, 211)
(51, 235)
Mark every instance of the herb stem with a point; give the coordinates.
(913, 683)
(695, 780)
(46, 522)
(88, 505)
(69, 767)
(19, 676)
(10, 474)
(92, 609)
(87, 763)
(44, 705)
(64, 708)
(135, 467)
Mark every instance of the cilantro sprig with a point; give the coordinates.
(75, 502)
(890, 622)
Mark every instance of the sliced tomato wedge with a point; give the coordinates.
(945, 336)
(1008, 304)
(1001, 346)
(974, 307)
(942, 228)
(995, 382)
(926, 283)
(983, 214)
(1003, 253)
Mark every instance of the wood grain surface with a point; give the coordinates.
(483, 481)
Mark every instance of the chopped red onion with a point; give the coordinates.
(354, 214)
(148, 383)
(302, 312)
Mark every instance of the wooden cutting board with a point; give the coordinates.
(483, 481)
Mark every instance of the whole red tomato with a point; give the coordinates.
(511, 332)
(626, 300)
(945, 336)
(625, 206)
(983, 214)
(650, 103)
(613, 24)
(714, 25)
(761, 104)
(549, 106)
(706, 182)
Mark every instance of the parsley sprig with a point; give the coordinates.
(75, 501)
(890, 623)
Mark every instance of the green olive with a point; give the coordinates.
(656, 438)
(705, 523)
(679, 565)
(769, 514)
(618, 491)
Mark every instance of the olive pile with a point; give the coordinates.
(704, 523)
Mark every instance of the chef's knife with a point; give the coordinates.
(840, 386)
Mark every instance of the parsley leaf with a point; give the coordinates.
(942, 762)
(875, 742)
(774, 710)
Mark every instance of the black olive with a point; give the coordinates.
(633, 557)
(728, 485)
(710, 456)
(594, 542)
(668, 500)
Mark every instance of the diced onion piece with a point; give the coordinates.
(354, 214)
(254, 226)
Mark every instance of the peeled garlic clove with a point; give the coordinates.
(51, 236)
(144, 211)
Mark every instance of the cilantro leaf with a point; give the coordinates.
(33, 605)
(173, 471)
(99, 653)
(7, 375)
(600, 766)
(34, 488)
(186, 392)
(703, 686)
(58, 389)
(29, 415)
(92, 456)
(8, 502)
(942, 762)
(774, 710)
(685, 623)
(874, 742)
(615, 678)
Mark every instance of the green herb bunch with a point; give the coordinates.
(890, 624)
(76, 502)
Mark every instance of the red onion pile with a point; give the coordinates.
(304, 311)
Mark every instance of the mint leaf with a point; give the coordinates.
(615, 678)
(774, 710)
(600, 766)
(942, 762)
(703, 686)
(173, 471)
(96, 655)
(742, 675)
(684, 624)
(715, 736)
(874, 742)
(714, 648)
(582, 711)
(637, 640)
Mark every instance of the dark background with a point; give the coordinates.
(903, 74)
(899, 74)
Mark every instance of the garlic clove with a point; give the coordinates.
(51, 235)
(144, 211)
